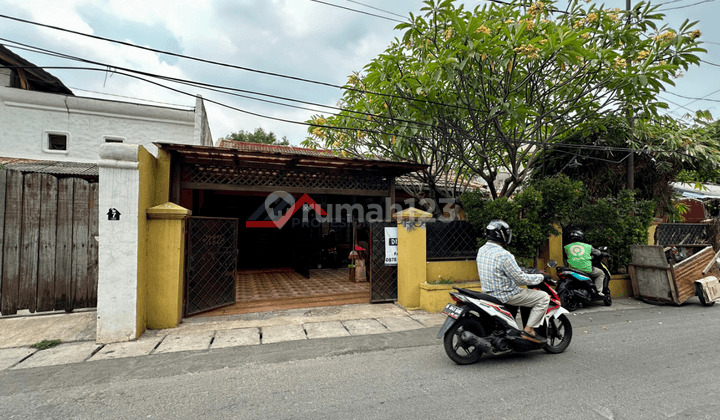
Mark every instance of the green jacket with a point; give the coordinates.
(579, 256)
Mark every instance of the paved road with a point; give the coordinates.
(654, 362)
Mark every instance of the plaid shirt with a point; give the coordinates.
(500, 274)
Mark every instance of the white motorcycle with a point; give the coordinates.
(480, 324)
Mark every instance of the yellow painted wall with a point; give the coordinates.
(412, 256)
(166, 241)
(145, 200)
(452, 270)
(162, 177)
(434, 297)
(620, 286)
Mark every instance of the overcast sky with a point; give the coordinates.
(300, 38)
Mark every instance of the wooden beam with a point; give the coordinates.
(264, 188)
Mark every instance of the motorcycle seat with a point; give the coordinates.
(572, 270)
(479, 295)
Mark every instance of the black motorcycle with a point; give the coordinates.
(479, 324)
(576, 288)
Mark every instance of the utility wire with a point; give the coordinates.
(683, 7)
(376, 8)
(358, 11)
(689, 97)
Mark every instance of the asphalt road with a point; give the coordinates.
(657, 362)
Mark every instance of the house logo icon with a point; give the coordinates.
(274, 205)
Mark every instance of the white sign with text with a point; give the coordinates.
(391, 250)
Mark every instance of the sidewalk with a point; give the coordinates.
(77, 331)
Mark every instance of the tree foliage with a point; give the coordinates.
(480, 93)
(534, 212)
(666, 150)
(259, 136)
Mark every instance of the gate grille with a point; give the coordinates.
(383, 279)
(211, 263)
(451, 240)
(682, 234)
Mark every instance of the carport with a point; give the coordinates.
(238, 260)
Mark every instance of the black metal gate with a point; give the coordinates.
(210, 264)
(383, 279)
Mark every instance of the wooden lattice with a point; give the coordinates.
(284, 177)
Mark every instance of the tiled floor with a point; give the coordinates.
(278, 283)
(283, 288)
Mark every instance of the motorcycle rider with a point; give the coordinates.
(500, 276)
(579, 256)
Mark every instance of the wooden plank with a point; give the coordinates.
(32, 188)
(11, 246)
(271, 188)
(81, 221)
(93, 235)
(63, 247)
(3, 178)
(48, 237)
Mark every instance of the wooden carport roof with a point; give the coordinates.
(215, 168)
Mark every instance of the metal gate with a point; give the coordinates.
(383, 279)
(211, 263)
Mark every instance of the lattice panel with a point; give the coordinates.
(211, 263)
(284, 178)
(451, 240)
(682, 233)
(383, 279)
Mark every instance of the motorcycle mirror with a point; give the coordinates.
(552, 263)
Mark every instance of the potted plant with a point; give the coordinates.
(352, 271)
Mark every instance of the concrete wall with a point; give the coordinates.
(141, 255)
(118, 253)
(27, 116)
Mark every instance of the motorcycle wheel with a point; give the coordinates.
(568, 303)
(458, 351)
(701, 296)
(607, 300)
(559, 334)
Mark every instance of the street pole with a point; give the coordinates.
(630, 164)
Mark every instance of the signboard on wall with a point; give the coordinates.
(391, 249)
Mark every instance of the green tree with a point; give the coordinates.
(667, 150)
(490, 88)
(259, 136)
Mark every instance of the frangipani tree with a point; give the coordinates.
(480, 93)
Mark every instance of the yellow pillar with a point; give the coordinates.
(556, 250)
(412, 251)
(165, 265)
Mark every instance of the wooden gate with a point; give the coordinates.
(383, 279)
(49, 250)
(211, 263)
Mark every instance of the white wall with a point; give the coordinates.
(118, 248)
(26, 116)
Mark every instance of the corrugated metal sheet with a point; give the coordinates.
(52, 167)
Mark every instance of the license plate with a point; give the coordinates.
(452, 311)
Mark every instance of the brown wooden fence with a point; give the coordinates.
(49, 250)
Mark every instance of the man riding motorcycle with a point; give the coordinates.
(500, 276)
(579, 256)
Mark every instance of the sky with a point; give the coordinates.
(306, 40)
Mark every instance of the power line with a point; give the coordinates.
(683, 7)
(712, 64)
(697, 99)
(376, 8)
(212, 87)
(358, 11)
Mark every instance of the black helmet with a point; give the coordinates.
(498, 231)
(577, 236)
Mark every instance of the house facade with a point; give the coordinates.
(41, 119)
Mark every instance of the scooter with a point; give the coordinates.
(478, 324)
(576, 288)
